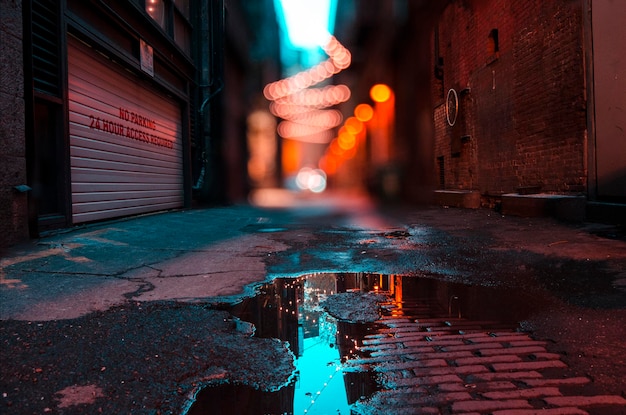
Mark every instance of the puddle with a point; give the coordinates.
(271, 230)
(327, 348)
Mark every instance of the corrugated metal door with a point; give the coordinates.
(125, 141)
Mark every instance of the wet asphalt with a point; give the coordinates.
(124, 316)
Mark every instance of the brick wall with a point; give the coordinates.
(13, 205)
(523, 121)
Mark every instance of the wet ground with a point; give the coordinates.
(379, 344)
(329, 274)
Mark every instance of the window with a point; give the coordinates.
(156, 10)
(46, 47)
(493, 46)
(183, 7)
(173, 17)
(182, 32)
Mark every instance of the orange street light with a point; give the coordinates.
(363, 112)
(380, 93)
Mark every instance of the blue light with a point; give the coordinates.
(306, 25)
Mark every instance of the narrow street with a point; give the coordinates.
(337, 207)
(472, 312)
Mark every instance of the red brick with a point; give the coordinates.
(488, 360)
(514, 140)
(523, 393)
(433, 343)
(452, 387)
(496, 336)
(418, 400)
(391, 365)
(460, 370)
(419, 350)
(513, 350)
(556, 382)
(507, 376)
(486, 406)
(382, 341)
(376, 353)
(500, 339)
(446, 355)
(428, 380)
(502, 367)
(546, 411)
(525, 343)
(478, 346)
(450, 397)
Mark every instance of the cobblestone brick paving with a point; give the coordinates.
(429, 363)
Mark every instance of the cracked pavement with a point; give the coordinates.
(114, 295)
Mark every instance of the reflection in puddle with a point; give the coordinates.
(328, 378)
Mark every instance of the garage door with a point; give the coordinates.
(125, 141)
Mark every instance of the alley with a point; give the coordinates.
(334, 206)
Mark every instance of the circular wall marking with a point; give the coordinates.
(452, 107)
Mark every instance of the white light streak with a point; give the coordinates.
(307, 22)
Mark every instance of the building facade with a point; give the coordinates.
(498, 101)
(117, 108)
(527, 99)
(13, 180)
(109, 97)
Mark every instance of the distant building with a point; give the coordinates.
(251, 61)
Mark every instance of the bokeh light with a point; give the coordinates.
(363, 112)
(311, 179)
(353, 125)
(380, 93)
(346, 141)
(308, 24)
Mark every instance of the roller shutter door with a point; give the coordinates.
(125, 141)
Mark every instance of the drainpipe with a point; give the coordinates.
(211, 84)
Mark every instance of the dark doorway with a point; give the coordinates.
(48, 170)
(45, 117)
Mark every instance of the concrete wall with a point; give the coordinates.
(13, 205)
(608, 79)
(522, 107)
